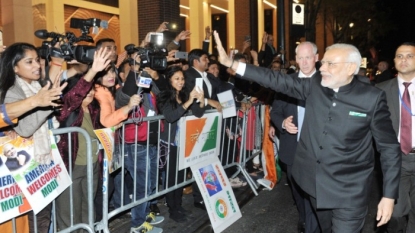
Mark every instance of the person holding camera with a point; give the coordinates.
(141, 146)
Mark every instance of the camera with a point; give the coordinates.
(153, 56)
(67, 50)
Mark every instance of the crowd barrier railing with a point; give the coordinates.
(238, 146)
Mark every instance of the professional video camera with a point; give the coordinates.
(153, 56)
(67, 50)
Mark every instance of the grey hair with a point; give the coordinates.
(315, 50)
(354, 54)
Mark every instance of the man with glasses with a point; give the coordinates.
(401, 102)
(334, 160)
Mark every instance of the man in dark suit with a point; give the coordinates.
(385, 74)
(334, 160)
(395, 94)
(198, 62)
(287, 115)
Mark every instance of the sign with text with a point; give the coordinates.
(40, 183)
(217, 193)
(298, 14)
(200, 138)
(107, 138)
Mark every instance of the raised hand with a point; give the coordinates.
(208, 33)
(101, 60)
(183, 35)
(45, 97)
(162, 27)
(265, 38)
(223, 56)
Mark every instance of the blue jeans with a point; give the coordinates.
(138, 156)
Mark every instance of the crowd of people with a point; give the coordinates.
(324, 114)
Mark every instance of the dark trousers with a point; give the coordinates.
(403, 216)
(305, 210)
(174, 198)
(344, 220)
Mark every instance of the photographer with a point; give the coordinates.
(136, 138)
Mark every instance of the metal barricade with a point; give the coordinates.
(238, 145)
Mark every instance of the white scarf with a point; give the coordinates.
(41, 138)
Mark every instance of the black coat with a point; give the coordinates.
(334, 160)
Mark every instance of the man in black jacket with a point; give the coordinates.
(334, 160)
(287, 115)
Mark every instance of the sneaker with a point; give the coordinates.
(235, 184)
(155, 209)
(146, 228)
(153, 219)
(244, 183)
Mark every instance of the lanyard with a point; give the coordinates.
(404, 105)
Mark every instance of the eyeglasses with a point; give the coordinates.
(407, 57)
(332, 64)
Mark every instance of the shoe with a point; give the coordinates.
(178, 217)
(146, 227)
(244, 183)
(236, 182)
(200, 205)
(184, 211)
(153, 219)
(301, 227)
(155, 209)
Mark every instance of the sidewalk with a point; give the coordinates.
(270, 212)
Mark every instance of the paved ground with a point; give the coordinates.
(269, 212)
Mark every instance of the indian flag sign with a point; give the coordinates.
(217, 193)
(199, 138)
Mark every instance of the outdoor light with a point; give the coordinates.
(218, 8)
(351, 25)
(184, 7)
(269, 4)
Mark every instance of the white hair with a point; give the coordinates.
(354, 54)
(315, 51)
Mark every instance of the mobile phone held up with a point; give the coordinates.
(180, 55)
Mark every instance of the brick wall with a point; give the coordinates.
(242, 21)
(151, 13)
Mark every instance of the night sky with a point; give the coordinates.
(403, 19)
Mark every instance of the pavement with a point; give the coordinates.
(269, 212)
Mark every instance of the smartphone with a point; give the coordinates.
(1, 38)
(247, 38)
(156, 38)
(199, 83)
(180, 55)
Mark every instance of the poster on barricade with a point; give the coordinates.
(40, 183)
(227, 101)
(111, 147)
(200, 138)
(12, 201)
(217, 193)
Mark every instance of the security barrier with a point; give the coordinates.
(240, 142)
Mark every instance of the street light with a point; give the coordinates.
(351, 32)
(351, 25)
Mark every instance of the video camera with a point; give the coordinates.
(67, 50)
(153, 56)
